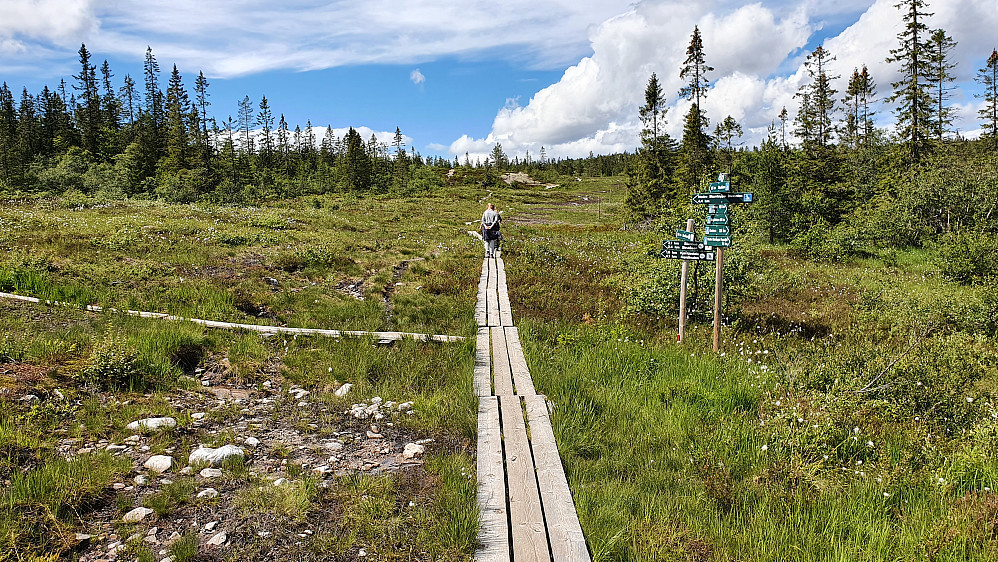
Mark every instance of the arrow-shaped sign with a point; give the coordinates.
(717, 230)
(692, 256)
(686, 235)
(720, 187)
(718, 198)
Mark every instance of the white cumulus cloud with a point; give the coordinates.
(417, 77)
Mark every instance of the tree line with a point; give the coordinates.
(129, 140)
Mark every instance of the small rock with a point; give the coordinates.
(132, 439)
(413, 450)
(153, 531)
(136, 515)
(334, 445)
(343, 390)
(280, 481)
(215, 457)
(198, 416)
(218, 540)
(152, 423)
(159, 463)
(251, 442)
(373, 435)
(59, 394)
(118, 486)
(324, 469)
(30, 399)
(186, 470)
(151, 539)
(114, 448)
(141, 480)
(211, 526)
(83, 537)
(208, 493)
(209, 473)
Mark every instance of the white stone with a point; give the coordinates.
(208, 493)
(413, 450)
(334, 445)
(141, 480)
(373, 435)
(197, 416)
(209, 473)
(280, 481)
(159, 463)
(251, 442)
(113, 448)
(211, 526)
(343, 390)
(136, 515)
(215, 457)
(218, 540)
(152, 423)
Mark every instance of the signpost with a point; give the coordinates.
(717, 234)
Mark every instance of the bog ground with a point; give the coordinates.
(849, 415)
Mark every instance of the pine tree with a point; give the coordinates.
(726, 132)
(695, 148)
(942, 78)
(988, 77)
(245, 116)
(911, 92)
(265, 120)
(10, 165)
(814, 119)
(358, 163)
(178, 106)
(858, 125)
(202, 103)
(88, 114)
(649, 183)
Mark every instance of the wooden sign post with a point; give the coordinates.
(682, 291)
(717, 234)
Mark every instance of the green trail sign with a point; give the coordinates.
(682, 245)
(701, 255)
(717, 230)
(718, 209)
(717, 241)
(717, 219)
(719, 187)
(686, 235)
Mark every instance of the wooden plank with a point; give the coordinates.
(505, 313)
(483, 366)
(492, 304)
(522, 382)
(502, 376)
(567, 541)
(530, 543)
(493, 529)
(481, 312)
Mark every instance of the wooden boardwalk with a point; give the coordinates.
(527, 511)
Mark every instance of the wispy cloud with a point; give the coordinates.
(417, 77)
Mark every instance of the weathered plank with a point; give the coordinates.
(530, 543)
(493, 529)
(502, 376)
(492, 292)
(567, 541)
(505, 313)
(522, 382)
(483, 365)
(380, 336)
(481, 311)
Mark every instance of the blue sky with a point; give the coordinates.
(459, 77)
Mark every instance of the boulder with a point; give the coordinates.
(136, 515)
(159, 463)
(152, 423)
(413, 450)
(215, 457)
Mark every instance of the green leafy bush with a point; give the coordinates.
(113, 364)
(968, 257)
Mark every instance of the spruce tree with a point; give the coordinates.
(153, 94)
(358, 163)
(911, 92)
(695, 148)
(725, 132)
(649, 183)
(265, 120)
(177, 109)
(941, 68)
(245, 116)
(10, 165)
(988, 77)
(858, 125)
(88, 114)
(202, 103)
(814, 119)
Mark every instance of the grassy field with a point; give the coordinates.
(849, 416)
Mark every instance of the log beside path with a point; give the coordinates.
(526, 508)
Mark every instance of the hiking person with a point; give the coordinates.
(490, 230)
